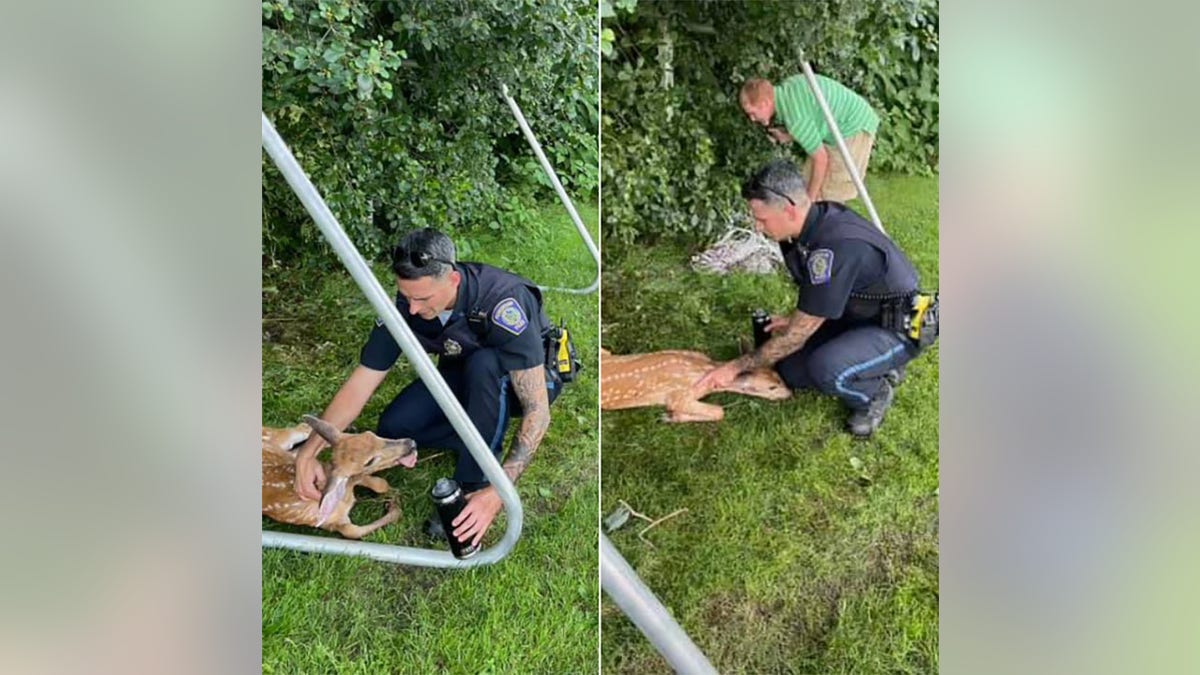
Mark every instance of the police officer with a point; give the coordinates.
(486, 325)
(846, 269)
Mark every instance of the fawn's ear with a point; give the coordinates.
(332, 497)
(325, 429)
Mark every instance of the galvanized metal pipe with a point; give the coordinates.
(638, 603)
(841, 143)
(383, 304)
(406, 555)
(562, 195)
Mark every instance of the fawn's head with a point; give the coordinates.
(763, 383)
(358, 455)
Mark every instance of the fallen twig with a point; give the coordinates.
(648, 519)
(643, 516)
(655, 524)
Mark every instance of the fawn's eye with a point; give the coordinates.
(372, 460)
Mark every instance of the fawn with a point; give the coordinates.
(665, 378)
(355, 458)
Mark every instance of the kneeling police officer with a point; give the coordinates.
(487, 327)
(851, 278)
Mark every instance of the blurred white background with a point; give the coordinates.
(1068, 238)
(129, 336)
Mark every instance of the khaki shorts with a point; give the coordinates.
(839, 187)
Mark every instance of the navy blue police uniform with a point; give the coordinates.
(497, 326)
(846, 269)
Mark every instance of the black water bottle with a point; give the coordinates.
(449, 500)
(759, 320)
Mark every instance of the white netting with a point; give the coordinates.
(740, 249)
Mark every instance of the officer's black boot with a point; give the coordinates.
(433, 528)
(896, 375)
(863, 423)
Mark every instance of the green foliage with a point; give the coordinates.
(677, 145)
(535, 611)
(898, 73)
(393, 109)
(803, 550)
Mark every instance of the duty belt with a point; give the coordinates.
(561, 357)
(915, 315)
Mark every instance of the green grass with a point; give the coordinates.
(789, 559)
(535, 611)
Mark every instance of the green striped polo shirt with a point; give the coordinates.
(796, 105)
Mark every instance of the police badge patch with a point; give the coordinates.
(820, 265)
(509, 316)
(452, 348)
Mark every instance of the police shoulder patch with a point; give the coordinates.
(509, 316)
(820, 265)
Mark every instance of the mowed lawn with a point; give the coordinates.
(535, 611)
(803, 550)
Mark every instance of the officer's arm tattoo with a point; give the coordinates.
(530, 387)
(800, 327)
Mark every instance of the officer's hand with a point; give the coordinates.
(310, 478)
(778, 322)
(717, 378)
(482, 508)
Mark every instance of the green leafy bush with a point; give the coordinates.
(676, 143)
(393, 109)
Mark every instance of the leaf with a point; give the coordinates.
(606, 41)
(544, 491)
(856, 463)
(333, 53)
(365, 85)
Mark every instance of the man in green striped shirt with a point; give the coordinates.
(793, 103)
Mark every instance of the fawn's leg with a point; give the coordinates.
(691, 410)
(351, 531)
(375, 483)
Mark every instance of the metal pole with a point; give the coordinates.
(638, 603)
(841, 143)
(562, 195)
(405, 555)
(383, 304)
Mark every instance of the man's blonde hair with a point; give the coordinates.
(755, 91)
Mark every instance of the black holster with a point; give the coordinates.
(914, 316)
(561, 357)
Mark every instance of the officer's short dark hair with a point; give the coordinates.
(423, 253)
(777, 183)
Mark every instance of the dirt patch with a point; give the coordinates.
(752, 633)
